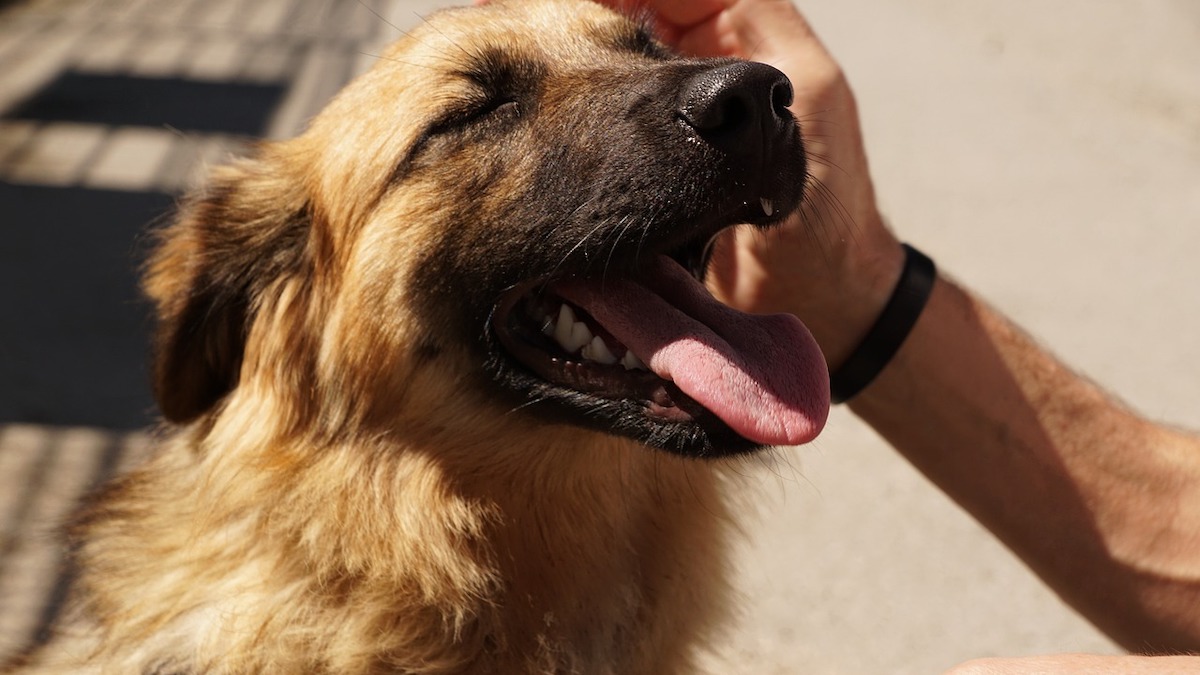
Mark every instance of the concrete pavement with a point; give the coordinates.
(1048, 155)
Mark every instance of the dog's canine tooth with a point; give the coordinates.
(562, 327)
(570, 334)
(598, 351)
(768, 206)
(581, 335)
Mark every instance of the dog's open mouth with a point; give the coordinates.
(659, 340)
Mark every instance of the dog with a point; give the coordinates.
(443, 389)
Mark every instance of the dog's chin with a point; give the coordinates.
(677, 424)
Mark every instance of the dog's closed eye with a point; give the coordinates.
(498, 92)
(639, 39)
(478, 110)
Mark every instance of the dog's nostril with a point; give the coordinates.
(782, 97)
(723, 113)
(733, 95)
(737, 106)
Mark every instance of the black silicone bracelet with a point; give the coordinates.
(890, 329)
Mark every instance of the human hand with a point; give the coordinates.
(833, 263)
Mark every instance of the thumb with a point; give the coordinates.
(771, 31)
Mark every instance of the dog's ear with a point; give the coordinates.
(228, 246)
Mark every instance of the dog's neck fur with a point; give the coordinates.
(570, 545)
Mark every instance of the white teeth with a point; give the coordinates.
(632, 362)
(580, 335)
(574, 336)
(570, 334)
(597, 351)
(767, 206)
(562, 327)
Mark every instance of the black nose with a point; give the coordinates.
(739, 108)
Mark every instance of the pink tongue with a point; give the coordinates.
(762, 375)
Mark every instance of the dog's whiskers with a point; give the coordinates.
(408, 34)
(647, 223)
(383, 18)
(618, 235)
(469, 54)
(401, 62)
(527, 404)
(825, 204)
(582, 240)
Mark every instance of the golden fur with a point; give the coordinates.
(340, 490)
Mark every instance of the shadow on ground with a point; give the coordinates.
(74, 348)
(73, 351)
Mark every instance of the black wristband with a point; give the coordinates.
(890, 329)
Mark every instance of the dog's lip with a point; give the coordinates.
(516, 332)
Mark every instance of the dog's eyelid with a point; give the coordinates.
(638, 36)
(488, 81)
(477, 108)
(471, 111)
(493, 70)
(496, 83)
(643, 38)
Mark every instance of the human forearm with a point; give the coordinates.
(1091, 496)
(1083, 664)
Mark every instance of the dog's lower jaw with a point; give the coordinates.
(356, 559)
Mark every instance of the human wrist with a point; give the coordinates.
(890, 330)
(859, 283)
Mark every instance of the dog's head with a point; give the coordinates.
(512, 209)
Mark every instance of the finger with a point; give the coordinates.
(685, 13)
(626, 6)
(772, 27)
(709, 38)
(671, 18)
(681, 13)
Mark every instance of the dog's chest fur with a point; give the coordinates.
(603, 558)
